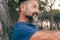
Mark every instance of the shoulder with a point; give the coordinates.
(23, 26)
(23, 30)
(45, 35)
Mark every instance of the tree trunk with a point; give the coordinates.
(5, 18)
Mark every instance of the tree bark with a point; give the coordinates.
(5, 18)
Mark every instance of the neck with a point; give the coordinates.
(22, 18)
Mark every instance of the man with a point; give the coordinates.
(26, 29)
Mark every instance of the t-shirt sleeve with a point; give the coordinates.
(23, 33)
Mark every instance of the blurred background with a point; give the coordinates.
(49, 17)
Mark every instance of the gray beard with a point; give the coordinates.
(35, 20)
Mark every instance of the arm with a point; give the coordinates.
(46, 35)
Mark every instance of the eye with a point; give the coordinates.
(35, 6)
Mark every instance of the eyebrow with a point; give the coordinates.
(36, 5)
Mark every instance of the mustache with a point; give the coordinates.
(35, 13)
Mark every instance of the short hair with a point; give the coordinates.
(20, 1)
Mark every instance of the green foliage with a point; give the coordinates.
(57, 15)
(44, 16)
(12, 10)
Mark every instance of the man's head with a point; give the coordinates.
(29, 8)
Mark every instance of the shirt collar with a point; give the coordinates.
(27, 23)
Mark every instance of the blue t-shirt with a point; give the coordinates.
(23, 31)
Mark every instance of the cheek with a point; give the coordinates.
(30, 11)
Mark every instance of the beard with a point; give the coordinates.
(33, 18)
(30, 18)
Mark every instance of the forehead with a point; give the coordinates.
(33, 1)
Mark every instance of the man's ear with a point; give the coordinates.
(22, 7)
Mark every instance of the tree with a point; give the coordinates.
(49, 4)
(5, 19)
(12, 4)
(57, 18)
